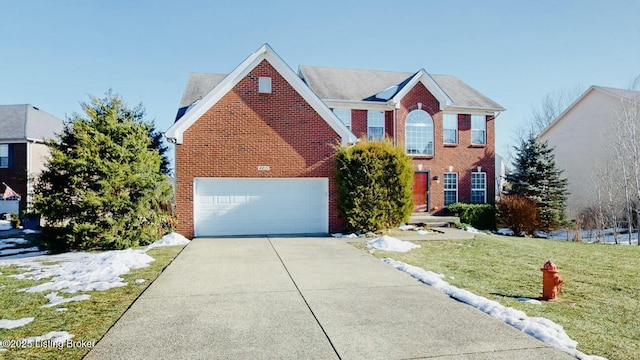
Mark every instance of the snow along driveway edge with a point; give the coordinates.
(542, 329)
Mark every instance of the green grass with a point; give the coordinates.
(88, 320)
(600, 299)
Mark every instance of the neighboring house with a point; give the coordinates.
(582, 138)
(254, 149)
(23, 129)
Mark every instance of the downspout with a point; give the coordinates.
(395, 121)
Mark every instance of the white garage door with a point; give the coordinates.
(252, 206)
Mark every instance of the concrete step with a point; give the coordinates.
(431, 220)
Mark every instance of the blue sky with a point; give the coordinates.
(56, 53)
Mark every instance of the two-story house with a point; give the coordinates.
(23, 154)
(582, 139)
(254, 148)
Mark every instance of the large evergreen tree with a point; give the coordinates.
(537, 178)
(105, 186)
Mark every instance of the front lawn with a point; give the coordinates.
(87, 320)
(599, 300)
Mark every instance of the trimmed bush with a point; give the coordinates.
(480, 216)
(375, 181)
(517, 213)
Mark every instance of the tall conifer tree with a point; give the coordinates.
(537, 178)
(104, 186)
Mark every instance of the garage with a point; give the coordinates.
(260, 206)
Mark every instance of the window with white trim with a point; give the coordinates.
(478, 129)
(375, 125)
(450, 128)
(4, 155)
(419, 133)
(344, 115)
(478, 187)
(450, 188)
(264, 85)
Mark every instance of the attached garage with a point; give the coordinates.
(258, 206)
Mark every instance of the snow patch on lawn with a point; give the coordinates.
(388, 243)
(542, 329)
(471, 229)
(54, 299)
(81, 271)
(171, 239)
(530, 301)
(343, 236)
(12, 324)
(405, 227)
(505, 232)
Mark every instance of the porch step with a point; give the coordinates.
(431, 220)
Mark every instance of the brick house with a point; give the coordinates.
(23, 129)
(254, 148)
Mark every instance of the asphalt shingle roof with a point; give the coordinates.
(349, 84)
(21, 122)
(355, 84)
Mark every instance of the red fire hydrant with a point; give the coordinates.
(551, 281)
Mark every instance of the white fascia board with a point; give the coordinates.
(265, 52)
(359, 104)
(566, 111)
(472, 110)
(431, 85)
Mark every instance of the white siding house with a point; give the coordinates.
(582, 138)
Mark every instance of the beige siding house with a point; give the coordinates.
(581, 138)
(23, 153)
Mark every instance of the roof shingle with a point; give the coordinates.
(21, 122)
(350, 84)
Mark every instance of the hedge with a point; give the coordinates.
(480, 216)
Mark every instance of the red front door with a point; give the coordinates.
(420, 190)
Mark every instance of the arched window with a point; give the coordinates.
(419, 133)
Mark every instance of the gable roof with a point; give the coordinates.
(27, 122)
(366, 85)
(193, 113)
(621, 94)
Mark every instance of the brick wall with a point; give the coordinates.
(16, 174)
(463, 157)
(245, 130)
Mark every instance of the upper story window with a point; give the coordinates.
(419, 133)
(264, 85)
(4, 155)
(450, 188)
(344, 115)
(375, 125)
(478, 129)
(450, 128)
(478, 187)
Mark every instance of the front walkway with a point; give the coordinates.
(302, 298)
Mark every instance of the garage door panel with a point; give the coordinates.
(249, 206)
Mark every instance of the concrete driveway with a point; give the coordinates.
(302, 298)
